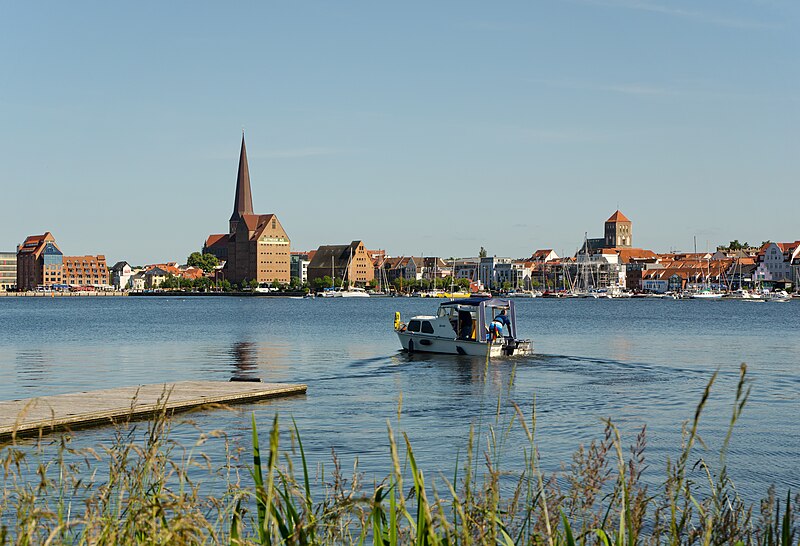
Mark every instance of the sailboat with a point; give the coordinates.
(707, 293)
(346, 291)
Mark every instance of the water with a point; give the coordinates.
(635, 361)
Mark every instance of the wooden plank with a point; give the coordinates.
(32, 416)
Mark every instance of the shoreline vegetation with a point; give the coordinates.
(145, 488)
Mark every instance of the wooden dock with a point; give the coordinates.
(34, 416)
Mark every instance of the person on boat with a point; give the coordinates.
(499, 323)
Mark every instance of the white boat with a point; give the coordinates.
(345, 291)
(351, 292)
(706, 294)
(742, 294)
(464, 327)
(779, 296)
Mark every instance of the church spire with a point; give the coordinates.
(243, 202)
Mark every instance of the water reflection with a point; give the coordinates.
(242, 354)
(33, 365)
(252, 360)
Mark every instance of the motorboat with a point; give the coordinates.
(465, 326)
(742, 294)
(779, 296)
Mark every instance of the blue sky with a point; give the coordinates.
(419, 127)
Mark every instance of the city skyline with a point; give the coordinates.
(540, 120)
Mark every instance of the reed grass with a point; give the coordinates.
(144, 488)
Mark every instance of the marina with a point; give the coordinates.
(640, 360)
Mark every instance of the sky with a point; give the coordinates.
(431, 128)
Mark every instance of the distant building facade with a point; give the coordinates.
(256, 246)
(351, 262)
(299, 265)
(121, 273)
(40, 263)
(8, 271)
(85, 271)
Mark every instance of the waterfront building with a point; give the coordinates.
(121, 273)
(8, 271)
(494, 271)
(39, 263)
(299, 265)
(390, 265)
(543, 255)
(85, 271)
(775, 261)
(466, 268)
(256, 246)
(136, 282)
(342, 261)
(434, 268)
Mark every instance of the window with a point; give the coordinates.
(413, 326)
(427, 328)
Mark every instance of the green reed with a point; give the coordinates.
(148, 493)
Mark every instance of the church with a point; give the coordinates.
(256, 246)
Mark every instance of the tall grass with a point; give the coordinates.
(146, 489)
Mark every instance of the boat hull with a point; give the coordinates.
(420, 343)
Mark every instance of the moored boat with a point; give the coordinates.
(467, 326)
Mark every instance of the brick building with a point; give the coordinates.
(86, 271)
(39, 263)
(256, 246)
(351, 262)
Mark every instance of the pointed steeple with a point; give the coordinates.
(243, 202)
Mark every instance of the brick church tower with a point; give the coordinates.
(618, 232)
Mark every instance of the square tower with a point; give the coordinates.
(618, 231)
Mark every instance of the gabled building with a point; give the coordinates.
(40, 263)
(775, 261)
(256, 246)
(543, 255)
(345, 262)
(121, 273)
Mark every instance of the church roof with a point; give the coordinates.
(618, 217)
(243, 201)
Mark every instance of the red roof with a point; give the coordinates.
(617, 217)
(214, 239)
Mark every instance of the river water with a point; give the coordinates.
(634, 361)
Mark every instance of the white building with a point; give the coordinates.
(121, 273)
(775, 261)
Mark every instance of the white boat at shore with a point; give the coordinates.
(778, 296)
(465, 327)
(352, 292)
(706, 294)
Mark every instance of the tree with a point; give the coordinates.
(207, 262)
(763, 243)
(276, 284)
(482, 253)
(253, 284)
